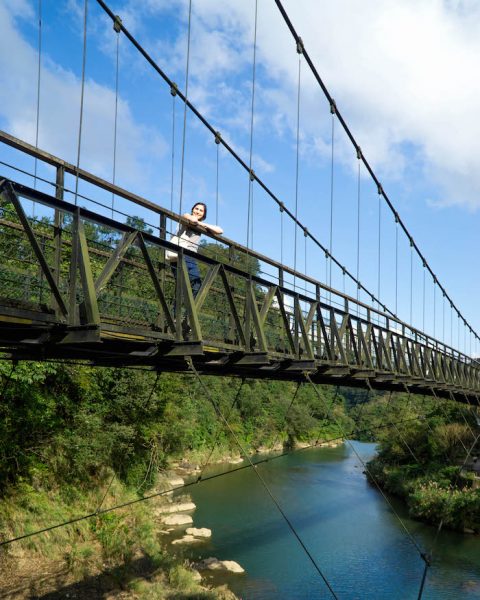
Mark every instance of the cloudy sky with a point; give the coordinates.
(402, 75)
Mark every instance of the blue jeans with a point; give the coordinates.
(193, 274)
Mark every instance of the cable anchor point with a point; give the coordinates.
(117, 24)
(252, 175)
(218, 137)
(333, 107)
(359, 153)
(300, 46)
(174, 89)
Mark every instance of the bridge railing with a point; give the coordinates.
(275, 309)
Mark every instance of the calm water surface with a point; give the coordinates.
(357, 541)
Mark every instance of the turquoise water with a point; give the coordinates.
(353, 535)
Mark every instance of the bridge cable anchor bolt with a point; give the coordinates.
(300, 46)
(218, 137)
(333, 107)
(252, 175)
(305, 232)
(117, 24)
(174, 89)
(380, 190)
(359, 153)
(281, 206)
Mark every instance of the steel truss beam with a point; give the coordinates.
(238, 323)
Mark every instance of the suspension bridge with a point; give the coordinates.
(77, 284)
(83, 278)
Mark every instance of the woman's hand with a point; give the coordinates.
(191, 218)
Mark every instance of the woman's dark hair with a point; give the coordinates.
(204, 209)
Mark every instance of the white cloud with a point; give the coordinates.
(403, 76)
(60, 112)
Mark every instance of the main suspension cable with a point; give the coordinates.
(365, 162)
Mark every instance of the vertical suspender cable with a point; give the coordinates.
(359, 155)
(330, 249)
(443, 319)
(411, 282)
(434, 306)
(82, 94)
(305, 264)
(39, 71)
(451, 325)
(173, 92)
(396, 265)
(251, 177)
(216, 181)
(379, 245)
(185, 106)
(458, 330)
(423, 307)
(117, 27)
(297, 164)
(281, 235)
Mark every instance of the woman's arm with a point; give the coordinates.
(215, 229)
(211, 228)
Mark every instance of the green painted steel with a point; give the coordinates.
(78, 285)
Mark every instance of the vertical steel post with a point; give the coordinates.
(57, 230)
(162, 268)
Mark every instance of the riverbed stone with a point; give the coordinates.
(178, 519)
(176, 507)
(175, 482)
(213, 564)
(187, 539)
(200, 532)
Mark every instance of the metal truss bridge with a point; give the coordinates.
(79, 285)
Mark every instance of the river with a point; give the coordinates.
(355, 538)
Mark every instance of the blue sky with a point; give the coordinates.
(402, 75)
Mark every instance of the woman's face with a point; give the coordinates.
(198, 211)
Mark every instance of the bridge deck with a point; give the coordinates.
(76, 285)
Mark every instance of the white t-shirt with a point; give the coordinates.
(186, 238)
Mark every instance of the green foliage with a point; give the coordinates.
(422, 446)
